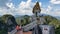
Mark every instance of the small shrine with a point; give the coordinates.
(36, 9)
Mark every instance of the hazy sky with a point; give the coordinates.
(24, 7)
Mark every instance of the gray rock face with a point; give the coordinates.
(11, 23)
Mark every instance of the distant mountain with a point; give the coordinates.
(43, 14)
(0, 15)
(57, 17)
(17, 15)
(21, 16)
(52, 16)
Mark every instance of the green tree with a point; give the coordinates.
(53, 21)
(4, 23)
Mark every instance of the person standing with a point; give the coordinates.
(19, 29)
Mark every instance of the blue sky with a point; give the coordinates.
(24, 7)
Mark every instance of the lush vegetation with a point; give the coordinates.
(23, 20)
(49, 20)
(4, 25)
(53, 21)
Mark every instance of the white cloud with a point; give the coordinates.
(10, 5)
(26, 7)
(55, 12)
(22, 9)
(45, 11)
(3, 7)
(11, 9)
(55, 1)
(3, 3)
(40, 4)
(4, 11)
(7, 7)
(49, 8)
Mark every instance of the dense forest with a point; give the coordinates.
(23, 20)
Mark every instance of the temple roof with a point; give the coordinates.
(36, 7)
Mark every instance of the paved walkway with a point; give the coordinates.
(20, 32)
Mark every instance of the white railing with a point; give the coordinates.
(25, 28)
(29, 26)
